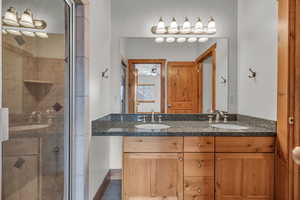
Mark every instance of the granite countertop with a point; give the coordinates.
(107, 127)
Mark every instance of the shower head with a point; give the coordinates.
(20, 40)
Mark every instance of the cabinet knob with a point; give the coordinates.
(180, 159)
(199, 163)
(199, 190)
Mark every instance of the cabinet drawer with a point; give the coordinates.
(245, 144)
(198, 144)
(153, 144)
(198, 164)
(200, 188)
(21, 146)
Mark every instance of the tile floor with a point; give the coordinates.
(113, 191)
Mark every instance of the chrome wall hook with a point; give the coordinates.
(252, 73)
(105, 73)
(223, 80)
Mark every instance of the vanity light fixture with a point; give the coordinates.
(186, 32)
(10, 18)
(203, 39)
(25, 24)
(170, 39)
(26, 19)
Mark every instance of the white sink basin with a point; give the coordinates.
(28, 127)
(229, 126)
(152, 126)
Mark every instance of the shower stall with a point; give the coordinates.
(36, 81)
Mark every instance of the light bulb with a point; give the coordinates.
(198, 26)
(211, 26)
(161, 28)
(192, 39)
(28, 33)
(173, 26)
(203, 39)
(13, 32)
(41, 34)
(181, 40)
(170, 40)
(10, 17)
(26, 19)
(159, 40)
(186, 27)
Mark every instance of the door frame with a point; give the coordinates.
(132, 82)
(210, 52)
(288, 98)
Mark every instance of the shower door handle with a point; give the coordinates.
(4, 124)
(296, 155)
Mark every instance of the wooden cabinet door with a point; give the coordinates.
(244, 176)
(151, 176)
(183, 87)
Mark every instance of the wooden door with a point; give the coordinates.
(149, 176)
(244, 176)
(183, 87)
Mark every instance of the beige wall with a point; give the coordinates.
(37, 59)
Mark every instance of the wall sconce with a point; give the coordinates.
(252, 73)
(104, 74)
(223, 80)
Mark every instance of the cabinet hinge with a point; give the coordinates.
(291, 120)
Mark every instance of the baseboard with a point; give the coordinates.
(100, 192)
(112, 174)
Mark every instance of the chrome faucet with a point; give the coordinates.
(220, 114)
(152, 116)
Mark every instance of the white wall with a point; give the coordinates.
(134, 18)
(257, 49)
(100, 27)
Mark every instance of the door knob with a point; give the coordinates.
(296, 155)
(169, 105)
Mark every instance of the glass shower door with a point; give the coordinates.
(35, 89)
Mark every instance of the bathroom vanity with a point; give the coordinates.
(193, 160)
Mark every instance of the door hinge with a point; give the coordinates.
(291, 120)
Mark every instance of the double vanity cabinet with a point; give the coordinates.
(198, 168)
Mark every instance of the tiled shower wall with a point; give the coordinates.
(26, 97)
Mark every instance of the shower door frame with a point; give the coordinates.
(69, 131)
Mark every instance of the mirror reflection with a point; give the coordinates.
(174, 77)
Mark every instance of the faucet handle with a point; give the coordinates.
(210, 118)
(159, 118)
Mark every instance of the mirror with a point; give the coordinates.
(174, 77)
